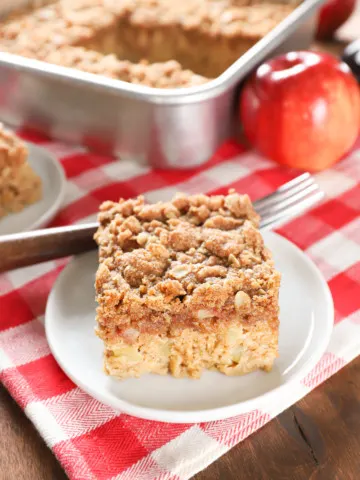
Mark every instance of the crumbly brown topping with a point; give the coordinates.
(182, 262)
(158, 75)
(168, 74)
(66, 22)
(21, 187)
(19, 184)
(228, 18)
(13, 152)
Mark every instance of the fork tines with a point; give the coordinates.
(289, 200)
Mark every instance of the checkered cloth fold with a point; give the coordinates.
(91, 440)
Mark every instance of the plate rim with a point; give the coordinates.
(50, 210)
(49, 214)
(218, 413)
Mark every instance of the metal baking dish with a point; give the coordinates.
(166, 128)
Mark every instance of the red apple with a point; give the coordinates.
(302, 109)
(332, 15)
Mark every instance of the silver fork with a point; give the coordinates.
(28, 248)
(288, 201)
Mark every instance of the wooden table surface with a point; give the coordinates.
(317, 439)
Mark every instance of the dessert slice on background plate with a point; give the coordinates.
(185, 286)
(19, 184)
(32, 184)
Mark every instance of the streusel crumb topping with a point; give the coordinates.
(82, 33)
(228, 18)
(13, 152)
(65, 22)
(168, 74)
(195, 260)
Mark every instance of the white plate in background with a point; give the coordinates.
(306, 322)
(39, 214)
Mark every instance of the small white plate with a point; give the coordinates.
(42, 212)
(307, 315)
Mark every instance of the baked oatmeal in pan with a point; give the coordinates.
(204, 37)
(185, 286)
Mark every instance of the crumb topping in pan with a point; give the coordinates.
(229, 18)
(112, 36)
(168, 74)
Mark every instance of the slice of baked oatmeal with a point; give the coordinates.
(185, 286)
(19, 184)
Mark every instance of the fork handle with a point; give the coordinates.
(29, 248)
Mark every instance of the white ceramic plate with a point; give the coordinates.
(306, 323)
(40, 213)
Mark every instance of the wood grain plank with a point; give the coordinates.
(23, 453)
(318, 438)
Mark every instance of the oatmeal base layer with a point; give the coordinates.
(235, 350)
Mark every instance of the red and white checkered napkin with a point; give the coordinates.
(91, 440)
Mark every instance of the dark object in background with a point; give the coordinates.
(351, 56)
(332, 15)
